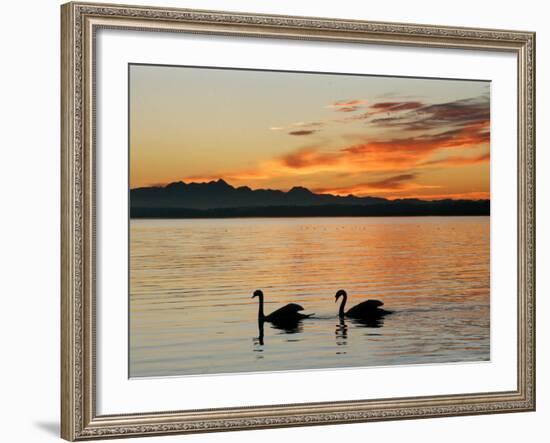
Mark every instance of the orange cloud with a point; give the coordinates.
(307, 157)
(347, 105)
(473, 195)
(234, 176)
(406, 152)
(448, 128)
(402, 183)
(398, 154)
(457, 160)
(468, 136)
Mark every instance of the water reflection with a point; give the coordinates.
(341, 333)
(369, 322)
(190, 283)
(288, 327)
(260, 339)
(296, 327)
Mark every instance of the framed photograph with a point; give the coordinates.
(277, 221)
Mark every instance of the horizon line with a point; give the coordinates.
(220, 179)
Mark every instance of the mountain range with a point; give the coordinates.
(220, 199)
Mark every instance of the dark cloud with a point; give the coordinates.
(457, 113)
(395, 182)
(386, 107)
(302, 132)
(396, 106)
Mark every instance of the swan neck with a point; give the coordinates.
(261, 315)
(343, 305)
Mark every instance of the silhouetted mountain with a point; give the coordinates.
(220, 199)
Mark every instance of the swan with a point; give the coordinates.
(288, 314)
(369, 309)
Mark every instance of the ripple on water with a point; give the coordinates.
(191, 283)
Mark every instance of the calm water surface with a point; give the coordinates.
(191, 283)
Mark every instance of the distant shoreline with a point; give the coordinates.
(298, 216)
(438, 208)
(218, 199)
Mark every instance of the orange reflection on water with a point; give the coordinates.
(191, 283)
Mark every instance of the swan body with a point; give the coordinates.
(292, 310)
(369, 309)
(290, 313)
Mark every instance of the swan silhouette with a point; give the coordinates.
(288, 315)
(367, 310)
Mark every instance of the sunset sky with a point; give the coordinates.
(341, 134)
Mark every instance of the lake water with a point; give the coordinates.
(191, 283)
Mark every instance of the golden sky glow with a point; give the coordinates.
(341, 134)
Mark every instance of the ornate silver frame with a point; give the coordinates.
(80, 21)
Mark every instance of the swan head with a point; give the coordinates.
(257, 293)
(340, 293)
